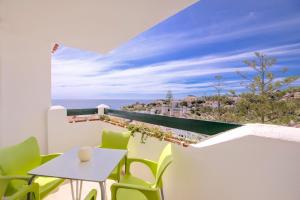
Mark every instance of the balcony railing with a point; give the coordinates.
(193, 125)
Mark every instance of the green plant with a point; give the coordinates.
(144, 129)
(154, 131)
(263, 99)
(104, 118)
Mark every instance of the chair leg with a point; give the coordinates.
(162, 194)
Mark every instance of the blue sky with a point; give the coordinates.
(185, 52)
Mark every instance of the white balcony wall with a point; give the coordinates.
(28, 30)
(258, 162)
(64, 135)
(251, 167)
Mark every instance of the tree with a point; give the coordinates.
(169, 96)
(183, 103)
(232, 93)
(263, 98)
(219, 86)
(169, 99)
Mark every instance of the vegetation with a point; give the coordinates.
(169, 97)
(146, 130)
(267, 98)
(219, 86)
(263, 100)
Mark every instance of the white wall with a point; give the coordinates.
(28, 30)
(247, 168)
(0, 92)
(251, 162)
(64, 135)
(255, 161)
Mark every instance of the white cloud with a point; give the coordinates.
(150, 45)
(97, 79)
(101, 76)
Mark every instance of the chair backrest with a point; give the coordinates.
(19, 159)
(3, 186)
(115, 140)
(164, 161)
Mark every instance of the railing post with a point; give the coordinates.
(101, 109)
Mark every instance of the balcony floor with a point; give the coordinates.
(64, 191)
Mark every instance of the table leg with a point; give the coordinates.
(72, 189)
(77, 188)
(80, 189)
(76, 193)
(103, 190)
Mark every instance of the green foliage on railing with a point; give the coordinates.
(198, 126)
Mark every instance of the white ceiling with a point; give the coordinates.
(96, 25)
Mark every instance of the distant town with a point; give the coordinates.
(206, 107)
(185, 108)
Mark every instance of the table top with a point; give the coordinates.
(68, 165)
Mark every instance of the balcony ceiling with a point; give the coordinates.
(97, 25)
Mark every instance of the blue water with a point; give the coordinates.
(93, 103)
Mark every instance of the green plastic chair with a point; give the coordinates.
(133, 188)
(33, 189)
(16, 161)
(115, 140)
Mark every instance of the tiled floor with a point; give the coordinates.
(64, 191)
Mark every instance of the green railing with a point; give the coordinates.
(85, 111)
(198, 126)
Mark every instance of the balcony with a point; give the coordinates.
(229, 161)
(235, 163)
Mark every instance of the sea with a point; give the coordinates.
(93, 103)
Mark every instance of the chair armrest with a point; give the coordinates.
(150, 193)
(133, 187)
(92, 195)
(46, 158)
(4, 180)
(149, 163)
(21, 194)
(19, 177)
